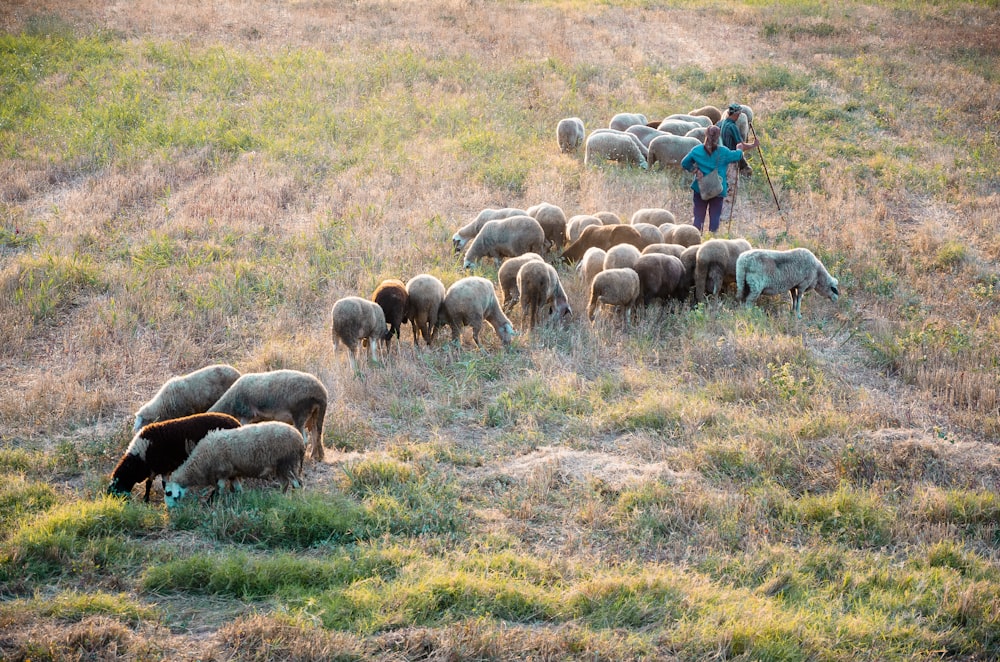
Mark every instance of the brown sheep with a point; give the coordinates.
(659, 277)
(424, 295)
(507, 276)
(603, 236)
(614, 287)
(538, 283)
(715, 265)
(391, 297)
(711, 112)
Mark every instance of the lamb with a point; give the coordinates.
(715, 265)
(664, 249)
(291, 396)
(796, 271)
(468, 302)
(670, 149)
(507, 276)
(677, 127)
(356, 321)
(425, 293)
(700, 120)
(711, 112)
(621, 255)
(620, 147)
(603, 236)
(468, 232)
(614, 287)
(622, 121)
(159, 448)
(188, 394)
(506, 237)
(576, 225)
(683, 234)
(252, 451)
(569, 134)
(654, 215)
(391, 297)
(649, 232)
(553, 221)
(591, 264)
(660, 277)
(538, 283)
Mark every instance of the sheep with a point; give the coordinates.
(796, 271)
(645, 134)
(715, 265)
(507, 276)
(660, 276)
(649, 232)
(159, 448)
(683, 234)
(569, 134)
(591, 264)
(553, 221)
(468, 302)
(711, 112)
(654, 215)
(689, 259)
(744, 120)
(576, 225)
(700, 120)
(291, 396)
(188, 394)
(664, 249)
(252, 451)
(677, 127)
(424, 294)
(670, 149)
(391, 297)
(603, 236)
(631, 136)
(356, 321)
(622, 121)
(506, 237)
(620, 255)
(614, 287)
(468, 232)
(621, 147)
(538, 283)
(698, 133)
(608, 217)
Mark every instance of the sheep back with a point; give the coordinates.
(700, 120)
(645, 134)
(468, 232)
(611, 146)
(664, 249)
(711, 112)
(622, 121)
(470, 301)
(659, 276)
(188, 394)
(553, 221)
(591, 264)
(424, 294)
(354, 319)
(576, 225)
(715, 265)
(683, 234)
(507, 277)
(670, 149)
(603, 236)
(614, 287)
(391, 297)
(620, 255)
(653, 215)
(677, 127)
(796, 271)
(507, 237)
(538, 283)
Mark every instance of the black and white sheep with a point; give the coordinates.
(424, 295)
(622, 121)
(653, 215)
(614, 146)
(159, 448)
(290, 396)
(468, 232)
(553, 221)
(506, 237)
(670, 150)
(355, 321)
(715, 265)
(660, 277)
(618, 288)
(391, 297)
(507, 277)
(620, 255)
(796, 271)
(252, 451)
(569, 134)
(469, 302)
(576, 224)
(539, 285)
(188, 394)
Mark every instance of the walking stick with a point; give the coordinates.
(766, 174)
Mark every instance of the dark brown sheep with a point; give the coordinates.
(659, 277)
(392, 297)
(603, 236)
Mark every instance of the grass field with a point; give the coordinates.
(183, 184)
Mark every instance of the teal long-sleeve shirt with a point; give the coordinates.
(720, 158)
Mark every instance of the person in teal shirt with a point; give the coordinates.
(731, 137)
(702, 160)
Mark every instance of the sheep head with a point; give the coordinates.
(173, 493)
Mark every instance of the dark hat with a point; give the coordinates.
(735, 108)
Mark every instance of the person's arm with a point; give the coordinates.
(748, 147)
(689, 164)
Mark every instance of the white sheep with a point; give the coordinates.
(468, 232)
(670, 149)
(677, 127)
(507, 277)
(796, 271)
(424, 295)
(290, 396)
(539, 285)
(621, 147)
(631, 136)
(252, 451)
(470, 301)
(506, 237)
(664, 249)
(188, 394)
(650, 233)
(576, 225)
(684, 234)
(591, 264)
(698, 133)
(553, 221)
(700, 120)
(715, 265)
(614, 287)
(622, 121)
(569, 134)
(654, 215)
(356, 321)
(621, 255)
(608, 217)
(645, 134)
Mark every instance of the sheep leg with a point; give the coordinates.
(796, 295)
(752, 296)
(149, 484)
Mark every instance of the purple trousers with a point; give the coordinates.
(714, 209)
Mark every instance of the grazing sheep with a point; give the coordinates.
(591, 264)
(715, 265)
(689, 259)
(649, 232)
(553, 221)
(506, 237)
(470, 301)
(538, 283)
(159, 448)
(507, 276)
(677, 127)
(622, 121)
(653, 215)
(569, 134)
(631, 136)
(576, 225)
(621, 255)
(684, 234)
(670, 149)
(608, 217)
(424, 296)
(252, 451)
(280, 395)
(356, 321)
(645, 134)
(664, 249)
(603, 236)
(700, 120)
(660, 276)
(698, 133)
(614, 287)
(621, 147)
(796, 271)
(711, 112)
(468, 232)
(188, 394)
(391, 297)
